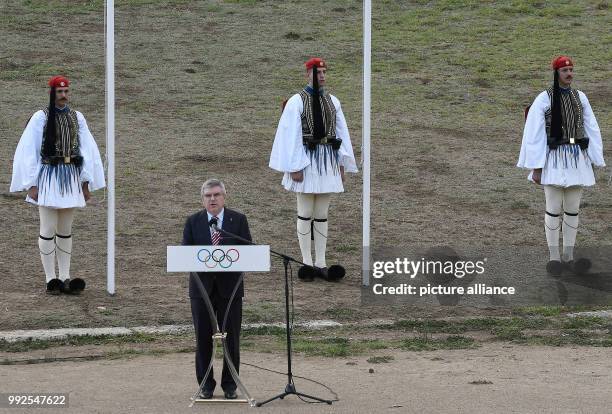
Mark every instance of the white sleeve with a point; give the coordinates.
(92, 169)
(288, 154)
(591, 128)
(533, 147)
(347, 158)
(26, 162)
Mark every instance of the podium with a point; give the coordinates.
(220, 258)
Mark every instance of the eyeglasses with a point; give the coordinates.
(211, 195)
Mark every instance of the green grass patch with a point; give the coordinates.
(518, 205)
(214, 8)
(130, 352)
(430, 344)
(566, 330)
(587, 322)
(380, 359)
(552, 310)
(341, 313)
(333, 347)
(482, 324)
(549, 331)
(372, 344)
(27, 72)
(508, 333)
(32, 345)
(264, 330)
(72, 7)
(242, 2)
(472, 324)
(86, 6)
(540, 310)
(23, 346)
(327, 347)
(346, 248)
(425, 326)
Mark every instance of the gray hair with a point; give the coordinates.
(210, 183)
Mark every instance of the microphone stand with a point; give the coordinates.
(290, 387)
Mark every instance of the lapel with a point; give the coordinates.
(228, 225)
(204, 230)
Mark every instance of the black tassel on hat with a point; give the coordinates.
(556, 126)
(318, 132)
(49, 144)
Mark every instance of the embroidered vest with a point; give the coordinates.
(66, 139)
(329, 118)
(572, 120)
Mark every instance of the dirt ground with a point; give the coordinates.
(496, 377)
(199, 87)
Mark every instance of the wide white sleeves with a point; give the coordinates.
(92, 169)
(534, 147)
(288, 153)
(591, 128)
(26, 162)
(27, 167)
(347, 158)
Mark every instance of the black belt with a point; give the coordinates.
(57, 159)
(311, 142)
(582, 142)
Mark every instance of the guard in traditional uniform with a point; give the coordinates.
(312, 147)
(58, 163)
(561, 143)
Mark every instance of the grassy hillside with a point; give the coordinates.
(199, 88)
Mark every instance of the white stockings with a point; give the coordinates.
(55, 240)
(560, 201)
(312, 218)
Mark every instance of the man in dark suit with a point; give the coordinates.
(219, 285)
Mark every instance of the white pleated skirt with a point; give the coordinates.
(321, 176)
(567, 166)
(59, 186)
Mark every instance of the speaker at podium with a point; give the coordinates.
(233, 260)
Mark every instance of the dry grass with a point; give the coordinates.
(199, 87)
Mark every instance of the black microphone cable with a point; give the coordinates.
(291, 324)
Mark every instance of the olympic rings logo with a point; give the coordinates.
(218, 257)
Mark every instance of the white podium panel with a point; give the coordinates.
(230, 258)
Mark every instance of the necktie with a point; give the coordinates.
(216, 236)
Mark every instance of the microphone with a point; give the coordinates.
(213, 223)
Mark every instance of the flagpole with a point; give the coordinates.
(367, 52)
(110, 143)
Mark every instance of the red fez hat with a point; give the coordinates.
(318, 62)
(59, 82)
(561, 62)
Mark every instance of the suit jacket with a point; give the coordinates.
(197, 232)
